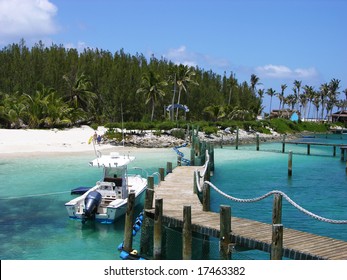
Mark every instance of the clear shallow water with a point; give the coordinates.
(34, 222)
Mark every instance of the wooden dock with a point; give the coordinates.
(309, 144)
(176, 191)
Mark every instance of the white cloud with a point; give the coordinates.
(26, 18)
(182, 55)
(79, 47)
(283, 72)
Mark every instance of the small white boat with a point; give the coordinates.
(107, 200)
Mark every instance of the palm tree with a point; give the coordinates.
(12, 110)
(152, 87)
(281, 96)
(183, 79)
(291, 100)
(216, 112)
(232, 84)
(80, 93)
(310, 93)
(316, 102)
(254, 82)
(324, 91)
(303, 101)
(271, 92)
(296, 89)
(334, 86)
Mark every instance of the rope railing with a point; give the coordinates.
(199, 175)
(293, 203)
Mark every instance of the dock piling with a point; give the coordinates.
(225, 230)
(187, 233)
(157, 236)
(284, 143)
(128, 230)
(148, 204)
(257, 140)
(206, 197)
(162, 174)
(277, 242)
(168, 167)
(290, 163)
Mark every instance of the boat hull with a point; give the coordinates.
(106, 214)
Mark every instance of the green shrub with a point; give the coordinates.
(210, 130)
(179, 133)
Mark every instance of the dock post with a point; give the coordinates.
(257, 142)
(225, 229)
(149, 193)
(168, 167)
(192, 156)
(308, 149)
(145, 244)
(284, 143)
(207, 175)
(157, 236)
(195, 185)
(187, 233)
(162, 174)
(179, 161)
(277, 209)
(211, 153)
(128, 229)
(206, 197)
(237, 139)
(290, 163)
(277, 242)
(277, 228)
(334, 151)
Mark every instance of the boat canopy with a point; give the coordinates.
(114, 160)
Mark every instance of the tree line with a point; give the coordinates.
(56, 86)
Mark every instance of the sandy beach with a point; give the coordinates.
(28, 141)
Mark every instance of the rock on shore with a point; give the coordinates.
(148, 139)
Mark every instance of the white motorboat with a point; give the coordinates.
(107, 200)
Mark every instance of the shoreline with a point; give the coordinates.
(74, 141)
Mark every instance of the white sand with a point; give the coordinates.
(19, 141)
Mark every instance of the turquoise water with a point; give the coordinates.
(33, 190)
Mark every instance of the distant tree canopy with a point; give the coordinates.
(97, 85)
(57, 86)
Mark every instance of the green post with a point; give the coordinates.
(290, 163)
(257, 142)
(284, 143)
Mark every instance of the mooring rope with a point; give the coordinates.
(293, 203)
(33, 195)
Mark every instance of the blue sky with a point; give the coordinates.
(278, 40)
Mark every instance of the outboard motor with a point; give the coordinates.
(91, 203)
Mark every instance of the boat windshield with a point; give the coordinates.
(113, 172)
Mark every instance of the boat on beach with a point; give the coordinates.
(107, 200)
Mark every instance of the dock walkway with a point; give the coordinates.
(177, 191)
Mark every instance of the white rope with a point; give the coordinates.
(250, 200)
(293, 203)
(34, 195)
